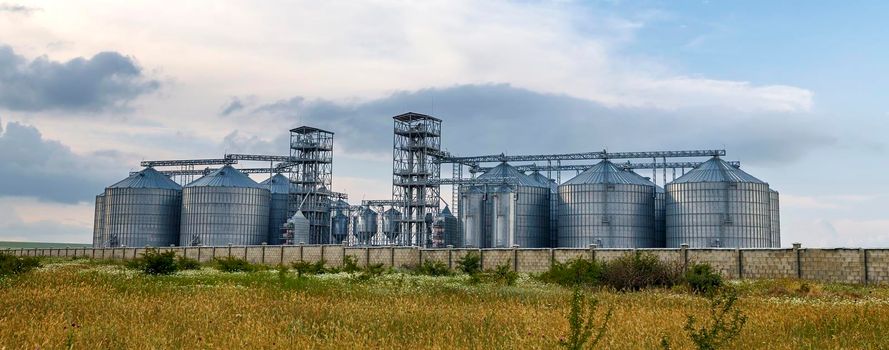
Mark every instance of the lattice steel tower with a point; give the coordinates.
(311, 177)
(417, 146)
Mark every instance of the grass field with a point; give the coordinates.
(90, 305)
(16, 245)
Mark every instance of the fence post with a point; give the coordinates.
(366, 256)
(263, 253)
(420, 256)
(593, 252)
(481, 258)
(740, 263)
(552, 257)
(301, 244)
(281, 258)
(515, 257)
(229, 250)
(245, 251)
(796, 252)
(683, 248)
(864, 276)
(450, 256)
(392, 256)
(322, 252)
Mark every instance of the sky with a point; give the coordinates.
(796, 91)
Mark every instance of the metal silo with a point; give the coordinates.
(718, 205)
(607, 206)
(279, 193)
(775, 219)
(296, 230)
(553, 205)
(142, 210)
(99, 222)
(660, 217)
(514, 211)
(365, 225)
(339, 228)
(391, 224)
(224, 207)
(446, 229)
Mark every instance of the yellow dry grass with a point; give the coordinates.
(92, 306)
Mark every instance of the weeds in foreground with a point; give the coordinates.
(581, 320)
(703, 279)
(725, 324)
(233, 264)
(470, 264)
(307, 268)
(576, 272)
(13, 265)
(432, 268)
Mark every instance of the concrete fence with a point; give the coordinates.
(825, 265)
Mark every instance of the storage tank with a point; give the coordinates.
(607, 206)
(340, 221)
(718, 205)
(365, 225)
(224, 207)
(515, 212)
(553, 206)
(142, 210)
(391, 224)
(775, 216)
(279, 194)
(472, 214)
(446, 229)
(296, 230)
(660, 217)
(99, 222)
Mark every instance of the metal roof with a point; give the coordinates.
(414, 116)
(226, 176)
(277, 184)
(605, 172)
(545, 181)
(308, 129)
(446, 211)
(716, 170)
(504, 170)
(147, 178)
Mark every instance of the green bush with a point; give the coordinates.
(470, 264)
(184, 263)
(504, 274)
(154, 262)
(233, 264)
(307, 268)
(433, 268)
(12, 265)
(576, 272)
(638, 270)
(703, 279)
(350, 264)
(581, 322)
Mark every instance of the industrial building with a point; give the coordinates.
(496, 201)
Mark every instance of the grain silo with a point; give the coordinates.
(514, 211)
(99, 222)
(142, 210)
(296, 230)
(391, 225)
(660, 217)
(279, 193)
(775, 219)
(446, 229)
(339, 222)
(607, 206)
(365, 225)
(553, 205)
(224, 207)
(718, 205)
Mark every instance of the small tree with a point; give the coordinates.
(155, 262)
(726, 322)
(470, 264)
(581, 320)
(703, 279)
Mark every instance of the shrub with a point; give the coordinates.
(307, 268)
(184, 263)
(233, 264)
(12, 265)
(470, 264)
(504, 274)
(350, 264)
(726, 322)
(639, 270)
(433, 268)
(581, 322)
(576, 272)
(703, 279)
(154, 262)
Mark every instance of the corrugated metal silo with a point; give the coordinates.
(775, 219)
(553, 206)
(718, 205)
(224, 207)
(99, 221)
(472, 214)
(142, 210)
(660, 218)
(391, 224)
(607, 206)
(297, 231)
(514, 213)
(279, 193)
(366, 225)
(446, 228)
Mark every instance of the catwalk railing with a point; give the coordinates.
(844, 265)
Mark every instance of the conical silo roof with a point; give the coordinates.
(605, 172)
(716, 170)
(505, 170)
(544, 181)
(277, 184)
(147, 178)
(446, 212)
(226, 176)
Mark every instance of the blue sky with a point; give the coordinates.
(794, 90)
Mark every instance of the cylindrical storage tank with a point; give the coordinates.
(775, 216)
(99, 222)
(472, 216)
(366, 226)
(339, 228)
(446, 229)
(660, 218)
(607, 206)
(297, 229)
(718, 205)
(391, 224)
(224, 207)
(553, 206)
(279, 196)
(502, 218)
(142, 210)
